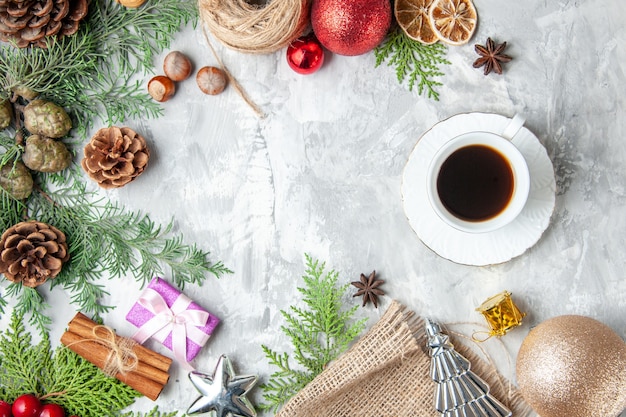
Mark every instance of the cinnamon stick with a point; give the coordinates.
(83, 325)
(148, 377)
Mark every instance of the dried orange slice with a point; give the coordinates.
(412, 16)
(453, 21)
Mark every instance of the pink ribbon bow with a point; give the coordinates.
(178, 320)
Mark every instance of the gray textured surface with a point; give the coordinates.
(321, 174)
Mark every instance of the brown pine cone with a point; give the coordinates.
(115, 156)
(30, 22)
(32, 252)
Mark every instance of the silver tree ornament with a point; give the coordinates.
(459, 392)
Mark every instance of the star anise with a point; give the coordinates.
(491, 56)
(368, 288)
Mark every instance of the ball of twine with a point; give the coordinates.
(254, 28)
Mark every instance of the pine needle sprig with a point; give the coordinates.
(20, 361)
(10, 210)
(128, 243)
(155, 412)
(95, 74)
(60, 375)
(414, 60)
(319, 333)
(92, 71)
(31, 302)
(42, 69)
(135, 36)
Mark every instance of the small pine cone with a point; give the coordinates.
(45, 118)
(30, 22)
(32, 252)
(6, 114)
(115, 156)
(45, 155)
(24, 92)
(16, 180)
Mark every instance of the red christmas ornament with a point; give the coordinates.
(26, 405)
(305, 55)
(52, 410)
(5, 409)
(351, 27)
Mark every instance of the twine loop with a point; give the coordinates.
(250, 27)
(122, 359)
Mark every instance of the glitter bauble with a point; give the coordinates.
(573, 366)
(305, 55)
(350, 27)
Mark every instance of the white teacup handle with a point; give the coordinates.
(514, 126)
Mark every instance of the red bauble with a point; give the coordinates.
(305, 55)
(26, 405)
(52, 410)
(5, 409)
(351, 27)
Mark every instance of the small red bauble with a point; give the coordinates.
(26, 405)
(52, 410)
(305, 55)
(5, 409)
(350, 27)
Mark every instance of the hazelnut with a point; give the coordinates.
(131, 3)
(211, 80)
(161, 88)
(177, 66)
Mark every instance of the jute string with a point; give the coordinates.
(247, 26)
(232, 80)
(121, 359)
(386, 374)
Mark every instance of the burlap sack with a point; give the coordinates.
(386, 374)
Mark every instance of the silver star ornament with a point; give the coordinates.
(224, 393)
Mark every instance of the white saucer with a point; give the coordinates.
(478, 248)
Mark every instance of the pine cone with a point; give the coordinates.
(45, 155)
(6, 114)
(115, 156)
(45, 118)
(30, 22)
(16, 180)
(32, 252)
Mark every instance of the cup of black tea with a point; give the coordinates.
(479, 181)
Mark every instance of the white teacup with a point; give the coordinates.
(479, 181)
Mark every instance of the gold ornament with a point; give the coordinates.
(501, 313)
(133, 4)
(573, 366)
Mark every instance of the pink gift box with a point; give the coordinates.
(182, 308)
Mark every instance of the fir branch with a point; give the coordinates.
(10, 210)
(127, 243)
(414, 60)
(29, 301)
(124, 99)
(318, 334)
(155, 412)
(79, 387)
(134, 36)
(43, 69)
(20, 361)
(93, 72)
